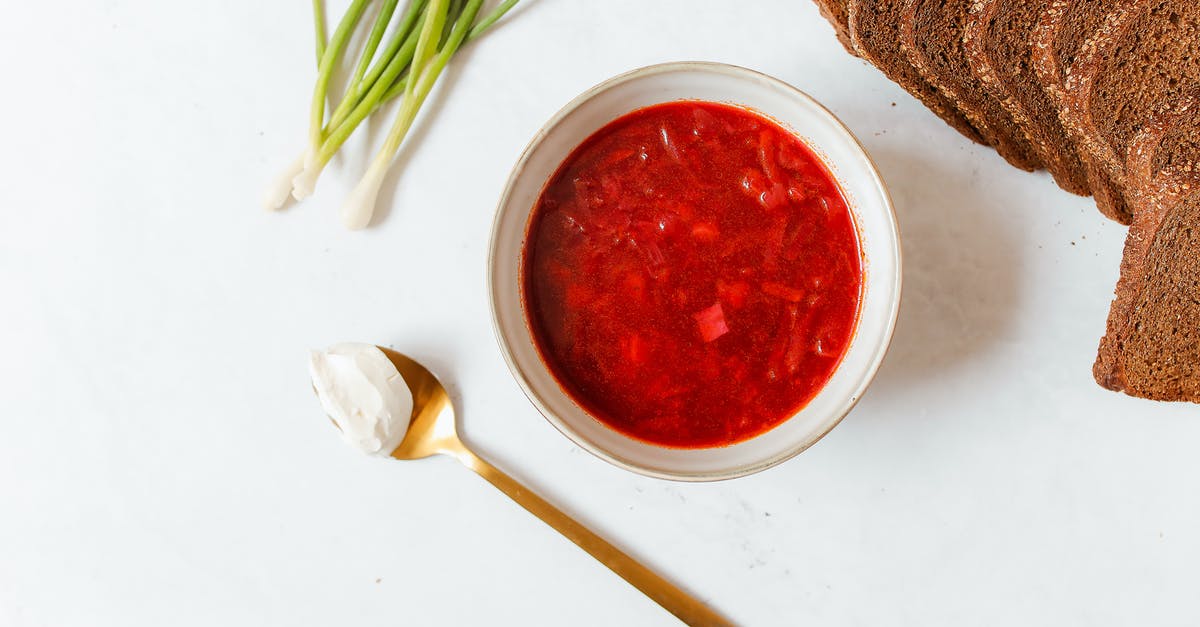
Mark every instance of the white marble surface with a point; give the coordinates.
(163, 461)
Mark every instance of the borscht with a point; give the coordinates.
(691, 274)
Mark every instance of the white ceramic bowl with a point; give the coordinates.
(868, 201)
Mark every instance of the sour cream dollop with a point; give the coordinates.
(364, 394)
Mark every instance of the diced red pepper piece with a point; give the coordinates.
(711, 323)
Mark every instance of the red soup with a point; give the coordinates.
(691, 274)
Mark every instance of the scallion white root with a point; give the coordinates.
(360, 204)
(276, 195)
(305, 180)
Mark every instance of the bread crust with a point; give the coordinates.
(1122, 363)
(1140, 60)
(931, 30)
(1053, 52)
(1080, 82)
(875, 41)
(1007, 74)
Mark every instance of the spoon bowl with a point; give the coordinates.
(431, 431)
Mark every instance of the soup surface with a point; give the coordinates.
(691, 274)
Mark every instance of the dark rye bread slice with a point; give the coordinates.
(1151, 347)
(1154, 352)
(874, 31)
(1143, 57)
(837, 13)
(1057, 39)
(998, 44)
(931, 33)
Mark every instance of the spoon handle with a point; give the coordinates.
(684, 606)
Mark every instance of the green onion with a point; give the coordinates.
(360, 206)
(376, 36)
(400, 37)
(361, 83)
(367, 105)
(424, 39)
(302, 186)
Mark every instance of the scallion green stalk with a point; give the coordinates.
(477, 31)
(452, 12)
(409, 24)
(482, 25)
(362, 79)
(360, 206)
(303, 186)
(336, 136)
(376, 36)
(319, 27)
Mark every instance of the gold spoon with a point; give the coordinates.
(432, 432)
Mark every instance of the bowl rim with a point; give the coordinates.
(876, 356)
